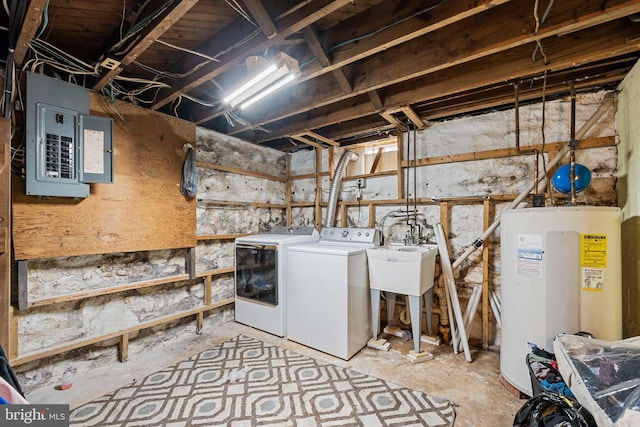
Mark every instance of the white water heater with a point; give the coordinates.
(560, 273)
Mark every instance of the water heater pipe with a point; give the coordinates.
(606, 104)
(334, 194)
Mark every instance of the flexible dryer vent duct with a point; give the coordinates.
(335, 186)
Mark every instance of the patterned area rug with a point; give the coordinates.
(246, 382)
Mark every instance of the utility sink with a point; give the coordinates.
(407, 270)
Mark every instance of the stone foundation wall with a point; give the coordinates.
(41, 328)
(473, 179)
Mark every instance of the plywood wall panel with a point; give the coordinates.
(142, 210)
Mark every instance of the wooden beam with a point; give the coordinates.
(415, 119)
(240, 171)
(307, 141)
(288, 25)
(311, 37)
(384, 15)
(567, 53)
(322, 138)
(374, 97)
(376, 160)
(287, 190)
(262, 17)
(123, 348)
(170, 18)
(5, 226)
(207, 290)
(449, 50)
(32, 21)
(605, 141)
(391, 119)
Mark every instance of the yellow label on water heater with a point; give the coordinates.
(593, 250)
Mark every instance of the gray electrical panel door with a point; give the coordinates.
(96, 140)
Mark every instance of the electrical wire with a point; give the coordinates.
(538, 22)
(235, 6)
(193, 52)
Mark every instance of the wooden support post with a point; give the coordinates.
(372, 215)
(486, 276)
(207, 291)
(123, 348)
(5, 226)
(199, 322)
(190, 263)
(376, 161)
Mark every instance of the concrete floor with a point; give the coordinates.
(474, 388)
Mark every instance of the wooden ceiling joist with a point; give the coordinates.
(288, 25)
(307, 141)
(418, 61)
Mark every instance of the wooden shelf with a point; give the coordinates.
(30, 357)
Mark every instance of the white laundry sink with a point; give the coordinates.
(407, 270)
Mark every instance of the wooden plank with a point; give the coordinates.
(6, 334)
(309, 175)
(123, 348)
(12, 350)
(376, 161)
(32, 20)
(486, 275)
(216, 272)
(221, 237)
(199, 322)
(597, 142)
(240, 171)
(415, 119)
(262, 18)
(312, 39)
(207, 290)
(142, 210)
(37, 355)
(287, 26)
(107, 291)
(304, 140)
(322, 138)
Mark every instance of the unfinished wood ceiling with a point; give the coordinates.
(367, 67)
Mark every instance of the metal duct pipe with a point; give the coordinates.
(334, 194)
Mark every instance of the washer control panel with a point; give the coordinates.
(350, 235)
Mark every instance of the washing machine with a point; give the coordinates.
(260, 276)
(328, 298)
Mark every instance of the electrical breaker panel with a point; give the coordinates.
(66, 148)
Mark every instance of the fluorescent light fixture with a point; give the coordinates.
(265, 82)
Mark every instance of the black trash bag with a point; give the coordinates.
(189, 181)
(550, 410)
